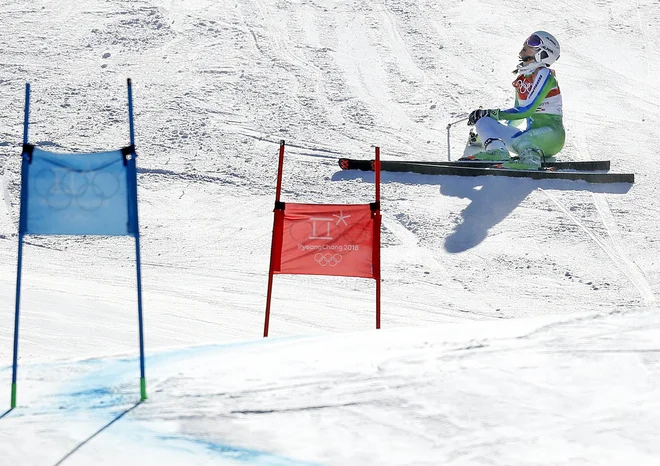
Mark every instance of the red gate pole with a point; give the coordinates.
(376, 247)
(277, 218)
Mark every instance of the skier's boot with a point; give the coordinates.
(494, 150)
(530, 159)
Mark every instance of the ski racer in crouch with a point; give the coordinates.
(538, 101)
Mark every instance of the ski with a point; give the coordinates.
(462, 170)
(397, 165)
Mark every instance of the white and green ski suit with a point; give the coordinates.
(538, 101)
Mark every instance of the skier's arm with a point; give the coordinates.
(543, 84)
(515, 123)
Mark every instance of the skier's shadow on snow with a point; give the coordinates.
(493, 198)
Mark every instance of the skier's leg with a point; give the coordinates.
(487, 128)
(496, 138)
(536, 144)
(548, 139)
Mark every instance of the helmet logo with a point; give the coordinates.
(546, 47)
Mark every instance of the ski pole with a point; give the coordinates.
(448, 140)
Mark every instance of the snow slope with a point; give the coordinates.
(519, 317)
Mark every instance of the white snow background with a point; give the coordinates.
(520, 324)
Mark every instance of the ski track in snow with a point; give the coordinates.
(614, 250)
(6, 196)
(631, 270)
(627, 267)
(410, 241)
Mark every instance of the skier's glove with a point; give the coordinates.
(477, 115)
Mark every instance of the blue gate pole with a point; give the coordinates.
(143, 380)
(27, 113)
(18, 300)
(19, 266)
(130, 111)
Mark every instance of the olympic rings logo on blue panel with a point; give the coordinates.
(89, 190)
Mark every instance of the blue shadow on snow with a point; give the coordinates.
(108, 372)
(493, 198)
(243, 455)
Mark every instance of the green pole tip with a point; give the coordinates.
(13, 395)
(143, 389)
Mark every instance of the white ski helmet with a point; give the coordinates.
(546, 47)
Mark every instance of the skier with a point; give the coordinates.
(538, 100)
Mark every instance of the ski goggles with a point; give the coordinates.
(534, 41)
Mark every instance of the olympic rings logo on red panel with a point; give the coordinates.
(327, 259)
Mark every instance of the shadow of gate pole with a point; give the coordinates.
(102, 429)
